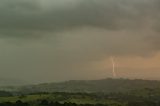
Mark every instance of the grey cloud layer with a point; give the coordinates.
(66, 35)
(39, 18)
(54, 15)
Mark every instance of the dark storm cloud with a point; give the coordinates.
(39, 18)
(30, 16)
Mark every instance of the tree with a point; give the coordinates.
(44, 103)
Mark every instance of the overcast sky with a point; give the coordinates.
(57, 40)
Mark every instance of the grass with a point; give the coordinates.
(78, 99)
(28, 98)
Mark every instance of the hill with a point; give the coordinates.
(91, 86)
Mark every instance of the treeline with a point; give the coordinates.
(47, 103)
(5, 94)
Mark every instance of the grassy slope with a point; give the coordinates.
(51, 97)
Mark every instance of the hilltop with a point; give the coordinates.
(91, 86)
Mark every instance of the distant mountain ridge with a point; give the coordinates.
(90, 86)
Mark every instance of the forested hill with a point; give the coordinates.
(89, 86)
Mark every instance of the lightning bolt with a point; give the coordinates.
(113, 67)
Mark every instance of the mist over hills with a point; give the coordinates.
(88, 86)
(12, 82)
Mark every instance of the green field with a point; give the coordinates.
(60, 97)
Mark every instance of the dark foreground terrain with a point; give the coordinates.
(144, 97)
(107, 92)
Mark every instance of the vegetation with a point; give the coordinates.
(121, 92)
(91, 86)
(143, 97)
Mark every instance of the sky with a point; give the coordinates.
(58, 40)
